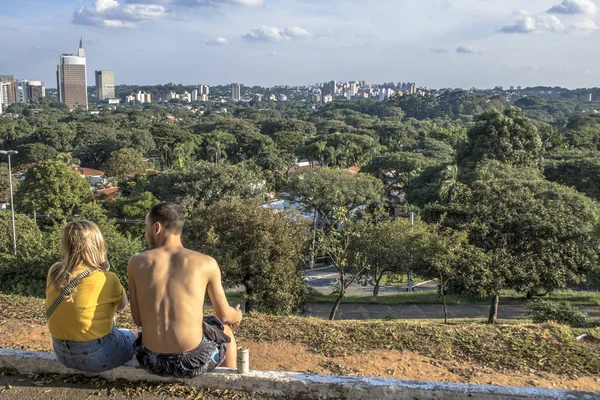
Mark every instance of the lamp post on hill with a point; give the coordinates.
(12, 203)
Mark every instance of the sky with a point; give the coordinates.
(435, 43)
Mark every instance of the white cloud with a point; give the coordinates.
(586, 26)
(109, 13)
(272, 34)
(195, 3)
(586, 7)
(467, 50)
(104, 5)
(527, 23)
(295, 32)
(220, 41)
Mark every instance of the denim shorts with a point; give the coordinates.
(98, 355)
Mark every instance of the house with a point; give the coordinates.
(93, 176)
(107, 194)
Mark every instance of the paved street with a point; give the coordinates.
(321, 280)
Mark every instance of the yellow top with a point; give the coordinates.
(88, 315)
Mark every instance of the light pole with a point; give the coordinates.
(12, 203)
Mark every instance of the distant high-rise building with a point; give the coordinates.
(36, 91)
(353, 89)
(195, 95)
(22, 91)
(363, 84)
(518, 87)
(512, 88)
(412, 88)
(105, 85)
(203, 89)
(590, 98)
(236, 92)
(6, 89)
(71, 76)
(140, 97)
(1, 97)
(10, 91)
(148, 98)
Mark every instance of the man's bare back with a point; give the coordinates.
(170, 286)
(167, 288)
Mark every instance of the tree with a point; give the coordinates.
(506, 136)
(33, 153)
(217, 143)
(29, 237)
(449, 182)
(52, 188)
(255, 247)
(387, 247)
(124, 162)
(447, 257)
(339, 245)
(324, 189)
(205, 183)
(538, 235)
(582, 173)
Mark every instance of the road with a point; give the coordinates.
(321, 280)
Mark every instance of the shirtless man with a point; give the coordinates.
(167, 287)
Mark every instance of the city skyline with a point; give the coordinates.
(441, 43)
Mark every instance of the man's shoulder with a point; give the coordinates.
(200, 258)
(139, 258)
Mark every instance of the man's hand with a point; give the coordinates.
(235, 318)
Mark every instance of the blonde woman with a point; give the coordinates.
(82, 298)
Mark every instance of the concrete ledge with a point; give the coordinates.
(297, 385)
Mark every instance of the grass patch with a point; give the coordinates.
(524, 347)
(511, 345)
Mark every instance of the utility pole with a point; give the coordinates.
(410, 276)
(12, 203)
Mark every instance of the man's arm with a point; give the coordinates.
(216, 293)
(135, 312)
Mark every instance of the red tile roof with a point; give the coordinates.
(106, 194)
(90, 172)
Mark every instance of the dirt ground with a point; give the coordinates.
(284, 356)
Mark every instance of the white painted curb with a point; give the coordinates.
(298, 385)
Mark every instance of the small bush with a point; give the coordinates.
(561, 312)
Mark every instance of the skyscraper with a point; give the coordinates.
(1, 98)
(36, 91)
(71, 76)
(236, 92)
(105, 85)
(10, 92)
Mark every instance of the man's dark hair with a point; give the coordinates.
(169, 215)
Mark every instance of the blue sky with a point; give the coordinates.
(436, 43)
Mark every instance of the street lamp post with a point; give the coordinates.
(12, 203)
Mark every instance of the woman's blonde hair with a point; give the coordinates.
(81, 243)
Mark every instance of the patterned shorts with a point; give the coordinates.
(204, 358)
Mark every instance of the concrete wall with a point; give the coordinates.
(300, 386)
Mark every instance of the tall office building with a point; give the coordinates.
(202, 89)
(6, 89)
(36, 91)
(236, 92)
(71, 76)
(10, 91)
(105, 85)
